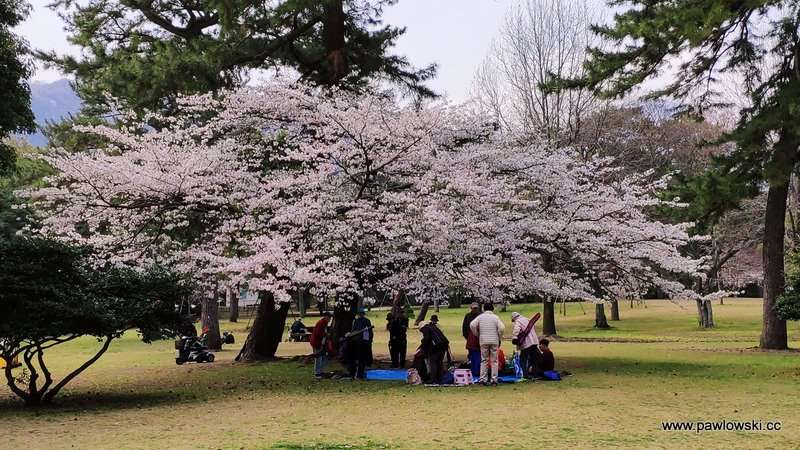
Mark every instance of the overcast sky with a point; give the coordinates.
(455, 34)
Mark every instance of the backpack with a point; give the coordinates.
(551, 375)
(438, 339)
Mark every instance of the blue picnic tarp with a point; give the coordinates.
(387, 374)
(401, 375)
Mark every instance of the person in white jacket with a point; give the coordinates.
(528, 346)
(489, 329)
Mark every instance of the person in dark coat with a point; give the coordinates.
(360, 346)
(398, 340)
(474, 311)
(186, 327)
(434, 346)
(546, 362)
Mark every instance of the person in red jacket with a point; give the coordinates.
(474, 354)
(501, 360)
(319, 343)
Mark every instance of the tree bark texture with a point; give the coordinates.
(209, 319)
(233, 304)
(397, 302)
(773, 331)
(334, 37)
(549, 318)
(267, 331)
(705, 314)
(615, 310)
(600, 320)
(343, 316)
(423, 312)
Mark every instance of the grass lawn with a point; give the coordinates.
(654, 365)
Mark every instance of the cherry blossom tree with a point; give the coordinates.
(286, 187)
(539, 221)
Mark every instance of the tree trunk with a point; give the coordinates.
(397, 303)
(773, 331)
(615, 309)
(301, 302)
(600, 316)
(343, 316)
(334, 38)
(705, 314)
(549, 318)
(267, 331)
(209, 319)
(422, 312)
(233, 304)
(709, 314)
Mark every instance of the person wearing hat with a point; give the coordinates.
(320, 343)
(434, 346)
(474, 311)
(527, 344)
(360, 341)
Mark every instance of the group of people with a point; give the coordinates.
(355, 346)
(483, 332)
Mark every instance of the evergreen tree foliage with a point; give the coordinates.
(15, 69)
(146, 52)
(755, 41)
(54, 293)
(28, 173)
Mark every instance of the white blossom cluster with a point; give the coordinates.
(286, 185)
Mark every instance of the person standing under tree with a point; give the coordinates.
(319, 343)
(360, 338)
(527, 343)
(473, 346)
(474, 311)
(398, 340)
(434, 346)
(489, 329)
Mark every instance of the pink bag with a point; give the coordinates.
(462, 376)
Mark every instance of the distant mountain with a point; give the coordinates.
(51, 102)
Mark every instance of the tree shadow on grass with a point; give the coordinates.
(83, 401)
(211, 383)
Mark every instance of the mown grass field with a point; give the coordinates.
(654, 365)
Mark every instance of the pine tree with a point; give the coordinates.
(15, 94)
(145, 52)
(709, 38)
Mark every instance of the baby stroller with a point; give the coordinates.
(191, 349)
